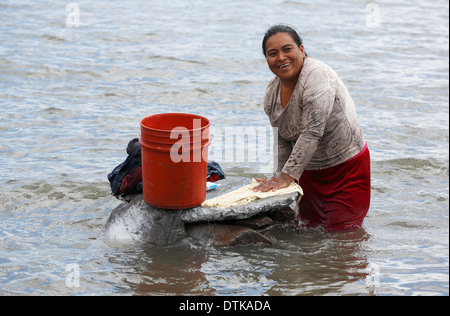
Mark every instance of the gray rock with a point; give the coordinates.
(256, 222)
(286, 214)
(212, 214)
(221, 235)
(136, 220)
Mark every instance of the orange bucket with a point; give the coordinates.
(174, 148)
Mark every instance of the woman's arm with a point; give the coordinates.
(318, 101)
(281, 154)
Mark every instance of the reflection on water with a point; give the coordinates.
(308, 262)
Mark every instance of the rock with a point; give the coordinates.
(255, 222)
(137, 220)
(286, 214)
(211, 214)
(221, 235)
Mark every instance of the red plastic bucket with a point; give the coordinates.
(174, 159)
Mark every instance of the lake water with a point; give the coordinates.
(76, 78)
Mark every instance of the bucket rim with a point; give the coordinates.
(175, 113)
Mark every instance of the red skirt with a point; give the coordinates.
(337, 197)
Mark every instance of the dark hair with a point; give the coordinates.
(281, 28)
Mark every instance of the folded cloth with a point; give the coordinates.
(121, 171)
(130, 182)
(245, 195)
(214, 172)
(213, 178)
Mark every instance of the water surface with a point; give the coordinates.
(72, 97)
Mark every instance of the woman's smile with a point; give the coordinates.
(284, 56)
(284, 66)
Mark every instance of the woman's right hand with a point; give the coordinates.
(274, 183)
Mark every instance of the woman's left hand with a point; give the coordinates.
(274, 183)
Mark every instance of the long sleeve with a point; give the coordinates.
(318, 128)
(318, 100)
(282, 152)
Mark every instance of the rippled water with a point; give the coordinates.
(72, 97)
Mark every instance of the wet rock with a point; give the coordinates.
(222, 235)
(286, 214)
(260, 206)
(136, 220)
(255, 222)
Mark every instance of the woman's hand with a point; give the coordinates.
(274, 183)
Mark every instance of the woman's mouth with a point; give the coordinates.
(284, 66)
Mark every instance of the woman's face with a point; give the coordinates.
(284, 57)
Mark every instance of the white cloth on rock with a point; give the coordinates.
(246, 195)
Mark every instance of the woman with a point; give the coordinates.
(320, 142)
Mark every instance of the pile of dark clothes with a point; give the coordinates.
(126, 178)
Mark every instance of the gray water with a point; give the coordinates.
(72, 96)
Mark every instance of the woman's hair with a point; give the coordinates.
(281, 28)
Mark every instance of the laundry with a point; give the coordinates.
(246, 195)
(132, 183)
(127, 169)
(214, 172)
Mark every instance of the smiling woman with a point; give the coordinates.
(285, 59)
(320, 142)
(289, 57)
